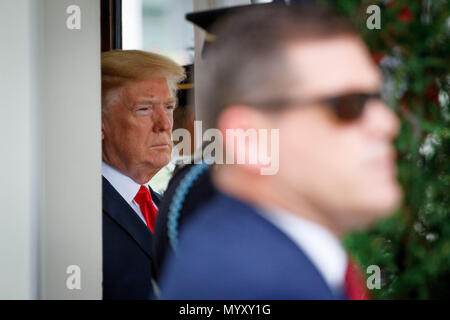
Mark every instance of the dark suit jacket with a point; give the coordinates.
(227, 250)
(127, 242)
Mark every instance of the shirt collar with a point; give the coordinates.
(126, 186)
(321, 246)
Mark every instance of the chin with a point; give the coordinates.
(160, 162)
(159, 159)
(376, 204)
(385, 201)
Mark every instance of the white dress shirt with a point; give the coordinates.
(125, 186)
(321, 246)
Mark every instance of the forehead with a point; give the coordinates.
(333, 66)
(157, 88)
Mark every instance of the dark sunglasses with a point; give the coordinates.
(346, 107)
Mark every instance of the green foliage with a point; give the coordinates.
(412, 247)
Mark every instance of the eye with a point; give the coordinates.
(170, 106)
(143, 109)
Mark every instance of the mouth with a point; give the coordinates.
(160, 146)
(387, 164)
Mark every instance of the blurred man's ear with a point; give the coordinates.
(244, 123)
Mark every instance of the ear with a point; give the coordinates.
(245, 129)
(105, 118)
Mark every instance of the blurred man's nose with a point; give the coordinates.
(161, 119)
(380, 120)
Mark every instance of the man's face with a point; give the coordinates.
(347, 169)
(137, 129)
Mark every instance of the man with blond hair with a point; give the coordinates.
(138, 99)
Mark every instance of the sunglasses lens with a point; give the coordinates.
(350, 107)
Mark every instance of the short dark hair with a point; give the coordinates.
(247, 62)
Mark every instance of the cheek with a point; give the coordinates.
(141, 130)
(134, 137)
(307, 148)
(117, 133)
(299, 155)
(318, 160)
(353, 152)
(361, 185)
(348, 149)
(349, 172)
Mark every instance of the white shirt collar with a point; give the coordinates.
(320, 245)
(126, 186)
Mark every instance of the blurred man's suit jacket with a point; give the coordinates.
(127, 244)
(228, 250)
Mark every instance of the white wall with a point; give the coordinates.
(71, 221)
(20, 199)
(50, 163)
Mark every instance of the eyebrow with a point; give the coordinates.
(149, 100)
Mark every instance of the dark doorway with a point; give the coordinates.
(111, 24)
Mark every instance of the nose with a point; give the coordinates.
(379, 120)
(162, 119)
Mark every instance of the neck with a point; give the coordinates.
(259, 191)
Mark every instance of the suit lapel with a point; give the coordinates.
(155, 197)
(121, 212)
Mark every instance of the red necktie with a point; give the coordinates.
(148, 209)
(354, 283)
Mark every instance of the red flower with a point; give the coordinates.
(391, 3)
(405, 15)
(432, 93)
(377, 57)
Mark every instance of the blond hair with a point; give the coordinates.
(119, 67)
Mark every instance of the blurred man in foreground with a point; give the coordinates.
(303, 71)
(138, 99)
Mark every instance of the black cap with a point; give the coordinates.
(186, 87)
(207, 18)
